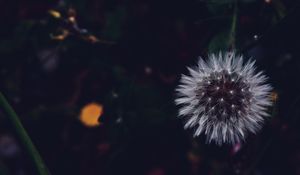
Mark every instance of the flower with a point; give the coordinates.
(224, 98)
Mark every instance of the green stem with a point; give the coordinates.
(231, 43)
(22, 134)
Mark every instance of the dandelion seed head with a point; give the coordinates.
(224, 98)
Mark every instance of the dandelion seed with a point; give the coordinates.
(224, 98)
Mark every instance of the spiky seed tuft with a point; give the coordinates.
(224, 98)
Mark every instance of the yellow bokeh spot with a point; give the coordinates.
(54, 13)
(90, 114)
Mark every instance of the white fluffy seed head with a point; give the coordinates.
(224, 98)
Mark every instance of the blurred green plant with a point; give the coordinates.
(23, 136)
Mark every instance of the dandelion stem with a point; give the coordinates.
(232, 33)
(23, 136)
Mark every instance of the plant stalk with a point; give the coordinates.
(231, 43)
(23, 136)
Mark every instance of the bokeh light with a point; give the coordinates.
(90, 114)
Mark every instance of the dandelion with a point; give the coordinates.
(224, 98)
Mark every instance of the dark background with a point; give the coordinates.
(128, 55)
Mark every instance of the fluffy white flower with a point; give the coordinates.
(224, 98)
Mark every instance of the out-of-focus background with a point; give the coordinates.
(93, 83)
